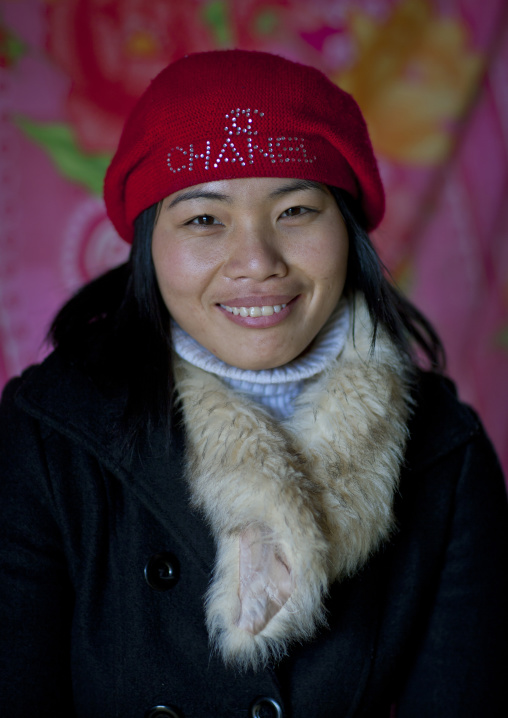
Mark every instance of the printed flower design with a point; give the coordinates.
(413, 78)
(90, 246)
(112, 49)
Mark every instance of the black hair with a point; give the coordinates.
(408, 328)
(117, 328)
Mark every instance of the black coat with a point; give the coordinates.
(104, 566)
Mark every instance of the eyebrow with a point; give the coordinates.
(295, 186)
(199, 194)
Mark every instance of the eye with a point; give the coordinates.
(297, 211)
(205, 220)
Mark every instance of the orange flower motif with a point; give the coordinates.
(413, 79)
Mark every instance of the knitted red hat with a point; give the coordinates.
(236, 113)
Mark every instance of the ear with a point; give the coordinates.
(265, 579)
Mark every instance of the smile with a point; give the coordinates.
(264, 311)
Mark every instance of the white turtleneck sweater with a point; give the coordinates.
(276, 389)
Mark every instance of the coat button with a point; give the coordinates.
(162, 571)
(163, 712)
(265, 707)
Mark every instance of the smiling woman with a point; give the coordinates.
(241, 484)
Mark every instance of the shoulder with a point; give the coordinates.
(440, 424)
(450, 468)
(450, 461)
(57, 396)
(57, 404)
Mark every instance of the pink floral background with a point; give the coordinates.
(430, 76)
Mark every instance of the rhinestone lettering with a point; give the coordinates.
(241, 143)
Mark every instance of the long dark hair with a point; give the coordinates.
(117, 327)
(409, 329)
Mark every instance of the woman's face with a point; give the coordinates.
(251, 268)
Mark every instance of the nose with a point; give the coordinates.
(255, 253)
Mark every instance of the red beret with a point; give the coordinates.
(236, 113)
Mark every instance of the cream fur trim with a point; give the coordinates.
(316, 490)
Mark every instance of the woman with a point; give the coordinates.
(230, 490)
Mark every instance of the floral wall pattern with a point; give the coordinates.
(430, 76)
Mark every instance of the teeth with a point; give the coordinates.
(265, 311)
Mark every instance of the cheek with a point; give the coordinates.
(329, 264)
(169, 272)
(341, 259)
(178, 273)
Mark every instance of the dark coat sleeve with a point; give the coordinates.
(35, 592)
(460, 665)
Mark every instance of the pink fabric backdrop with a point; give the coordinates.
(430, 76)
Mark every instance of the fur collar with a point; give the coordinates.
(297, 504)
